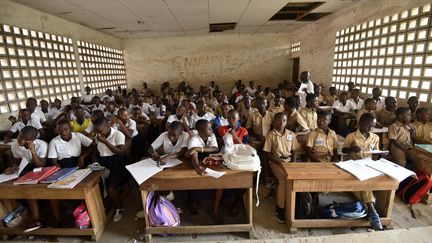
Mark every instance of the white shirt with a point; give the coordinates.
(359, 104)
(380, 103)
(115, 138)
(100, 107)
(111, 98)
(158, 110)
(87, 98)
(20, 152)
(38, 115)
(54, 112)
(197, 142)
(168, 147)
(173, 117)
(146, 108)
(131, 124)
(309, 90)
(349, 106)
(61, 149)
(194, 118)
(19, 125)
(89, 128)
(251, 91)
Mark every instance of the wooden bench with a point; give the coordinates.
(184, 177)
(425, 164)
(327, 177)
(87, 190)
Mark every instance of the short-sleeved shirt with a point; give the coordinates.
(359, 104)
(195, 117)
(87, 98)
(19, 125)
(241, 132)
(159, 111)
(361, 112)
(281, 145)
(220, 121)
(330, 99)
(76, 127)
(174, 117)
(322, 143)
(167, 146)
(20, 152)
(310, 117)
(400, 132)
(349, 106)
(61, 149)
(260, 124)
(100, 107)
(276, 109)
(38, 115)
(296, 120)
(380, 103)
(424, 131)
(365, 144)
(197, 142)
(385, 117)
(130, 124)
(115, 138)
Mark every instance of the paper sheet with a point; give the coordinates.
(143, 170)
(391, 169)
(379, 130)
(7, 144)
(4, 177)
(359, 169)
(213, 173)
(379, 152)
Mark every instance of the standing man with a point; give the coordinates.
(306, 87)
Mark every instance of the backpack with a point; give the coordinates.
(306, 205)
(346, 210)
(160, 211)
(81, 216)
(412, 190)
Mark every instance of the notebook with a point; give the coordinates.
(71, 180)
(60, 174)
(38, 174)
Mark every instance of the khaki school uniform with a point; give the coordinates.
(310, 116)
(276, 109)
(280, 145)
(361, 112)
(296, 120)
(385, 117)
(260, 125)
(321, 99)
(331, 99)
(423, 131)
(322, 144)
(400, 132)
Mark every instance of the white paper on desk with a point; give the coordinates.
(23, 164)
(379, 130)
(359, 169)
(170, 163)
(9, 143)
(379, 151)
(326, 107)
(213, 173)
(144, 169)
(391, 169)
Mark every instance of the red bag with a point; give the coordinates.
(82, 218)
(412, 190)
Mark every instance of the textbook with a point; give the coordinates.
(38, 174)
(391, 169)
(22, 165)
(359, 169)
(144, 169)
(71, 180)
(60, 174)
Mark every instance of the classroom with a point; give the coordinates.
(216, 121)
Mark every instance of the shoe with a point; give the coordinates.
(375, 221)
(140, 214)
(36, 224)
(280, 215)
(170, 196)
(118, 214)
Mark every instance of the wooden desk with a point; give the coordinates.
(87, 190)
(184, 177)
(425, 164)
(327, 177)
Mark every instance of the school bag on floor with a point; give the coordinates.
(412, 190)
(346, 210)
(161, 211)
(81, 216)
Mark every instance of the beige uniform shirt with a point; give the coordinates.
(281, 145)
(310, 116)
(400, 132)
(322, 144)
(366, 144)
(424, 131)
(296, 120)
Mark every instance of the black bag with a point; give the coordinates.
(306, 205)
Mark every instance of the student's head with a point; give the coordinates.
(261, 104)
(355, 93)
(403, 114)
(158, 100)
(247, 103)
(305, 76)
(31, 104)
(332, 91)
(225, 107)
(267, 90)
(106, 100)
(123, 115)
(27, 135)
(136, 112)
(200, 106)
(351, 86)
(181, 109)
(343, 97)
(323, 120)
(290, 105)
(251, 84)
(423, 114)
(109, 92)
(79, 112)
(204, 128)
(87, 89)
(366, 123)
(413, 103)
(376, 92)
(311, 101)
(317, 90)
(175, 129)
(390, 103)
(233, 117)
(64, 129)
(44, 104)
(57, 103)
(25, 115)
(97, 114)
(277, 100)
(111, 106)
(101, 126)
(280, 120)
(370, 104)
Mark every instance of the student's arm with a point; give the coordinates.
(14, 167)
(86, 151)
(399, 145)
(201, 150)
(119, 149)
(38, 161)
(122, 128)
(163, 160)
(349, 146)
(310, 155)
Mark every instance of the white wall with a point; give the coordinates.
(201, 59)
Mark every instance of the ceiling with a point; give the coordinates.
(165, 18)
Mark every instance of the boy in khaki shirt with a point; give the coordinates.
(358, 145)
(309, 113)
(322, 142)
(280, 144)
(369, 107)
(259, 123)
(401, 135)
(295, 121)
(423, 126)
(386, 116)
(277, 106)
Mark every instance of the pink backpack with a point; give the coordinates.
(82, 218)
(161, 211)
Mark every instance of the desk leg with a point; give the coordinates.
(290, 199)
(384, 202)
(249, 210)
(96, 211)
(144, 194)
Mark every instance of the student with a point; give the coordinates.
(127, 126)
(139, 117)
(351, 86)
(356, 100)
(200, 113)
(295, 121)
(358, 146)
(332, 96)
(56, 109)
(369, 107)
(159, 108)
(277, 105)
(80, 123)
(201, 145)
(320, 97)
(423, 126)
(25, 120)
(413, 103)
(31, 105)
(309, 112)
(306, 87)
(111, 146)
(401, 135)
(251, 89)
(376, 95)
(97, 104)
(44, 107)
(322, 142)
(35, 151)
(173, 143)
(88, 97)
(387, 116)
(111, 109)
(109, 95)
(268, 95)
(259, 123)
(221, 119)
(280, 143)
(89, 131)
(181, 116)
(343, 109)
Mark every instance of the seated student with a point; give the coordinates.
(369, 107)
(200, 113)
(268, 95)
(111, 146)
(173, 143)
(332, 96)
(36, 114)
(201, 145)
(376, 95)
(343, 109)
(139, 117)
(246, 110)
(413, 104)
(127, 126)
(356, 100)
(88, 97)
(181, 116)
(56, 109)
(25, 120)
(320, 97)
(89, 131)
(80, 123)
(423, 126)
(259, 123)
(44, 107)
(280, 143)
(109, 95)
(322, 142)
(35, 151)
(96, 104)
(277, 105)
(158, 107)
(387, 116)
(401, 135)
(295, 121)
(221, 119)
(111, 109)
(309, 112)
(358, 145)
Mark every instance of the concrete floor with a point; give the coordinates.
(130, 229)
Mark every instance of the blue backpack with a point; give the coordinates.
(346, 210)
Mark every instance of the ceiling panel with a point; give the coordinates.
(191, 14)
(226, 11)
(112, 10)
(333, 5)
(50, 6)
(88, 19)
(258, 12)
